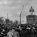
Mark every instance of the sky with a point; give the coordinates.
(14, 8)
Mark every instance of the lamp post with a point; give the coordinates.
(20, 17)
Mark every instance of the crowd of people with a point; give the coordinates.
(26, 30)
(17, 30)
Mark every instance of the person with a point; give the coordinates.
(12, 33)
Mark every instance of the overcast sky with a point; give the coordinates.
(14, 8)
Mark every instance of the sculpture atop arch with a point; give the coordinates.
(31, 10)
